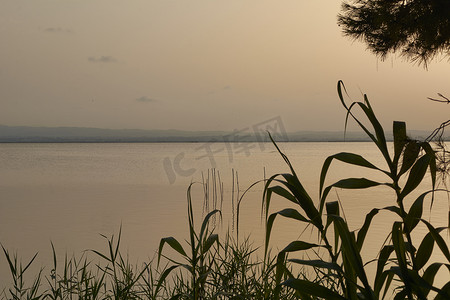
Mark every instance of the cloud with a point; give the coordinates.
(57, 30)
(228, 87)
(102, 59)
(145, 99)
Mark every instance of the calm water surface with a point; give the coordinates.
(71, 193)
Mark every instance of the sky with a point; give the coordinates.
(199, 65)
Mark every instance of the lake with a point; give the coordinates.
(70, 194)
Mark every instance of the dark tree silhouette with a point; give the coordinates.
(418, 29)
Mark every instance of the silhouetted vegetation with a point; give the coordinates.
(210, 267)
(418, 29)
(403, 264)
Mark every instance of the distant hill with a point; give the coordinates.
(26, 134)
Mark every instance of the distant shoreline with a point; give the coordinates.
(28, 134)
(179, 142)
(175, 142)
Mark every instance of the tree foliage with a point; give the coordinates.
(418, 29)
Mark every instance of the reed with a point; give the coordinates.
(340, 270)
(208, 266)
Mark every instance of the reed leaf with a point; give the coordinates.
(313, 289)
(400, 251)
(349, 158)
(438, 239)
(415, 213)
(173, 243)
(430, 274)
(213, 238)
(283, 193)
(356, 183)
(288, 213)
(206, 221)
(351, 253)
(317, 263)
(444, 293)
(380, 139)
(410, 155)
(299, 246)
(416, 175)
(433, 167)
(303, 199)
(381, 275)
(363, 231)
(332, 209)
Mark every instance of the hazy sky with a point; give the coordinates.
(198, 65)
